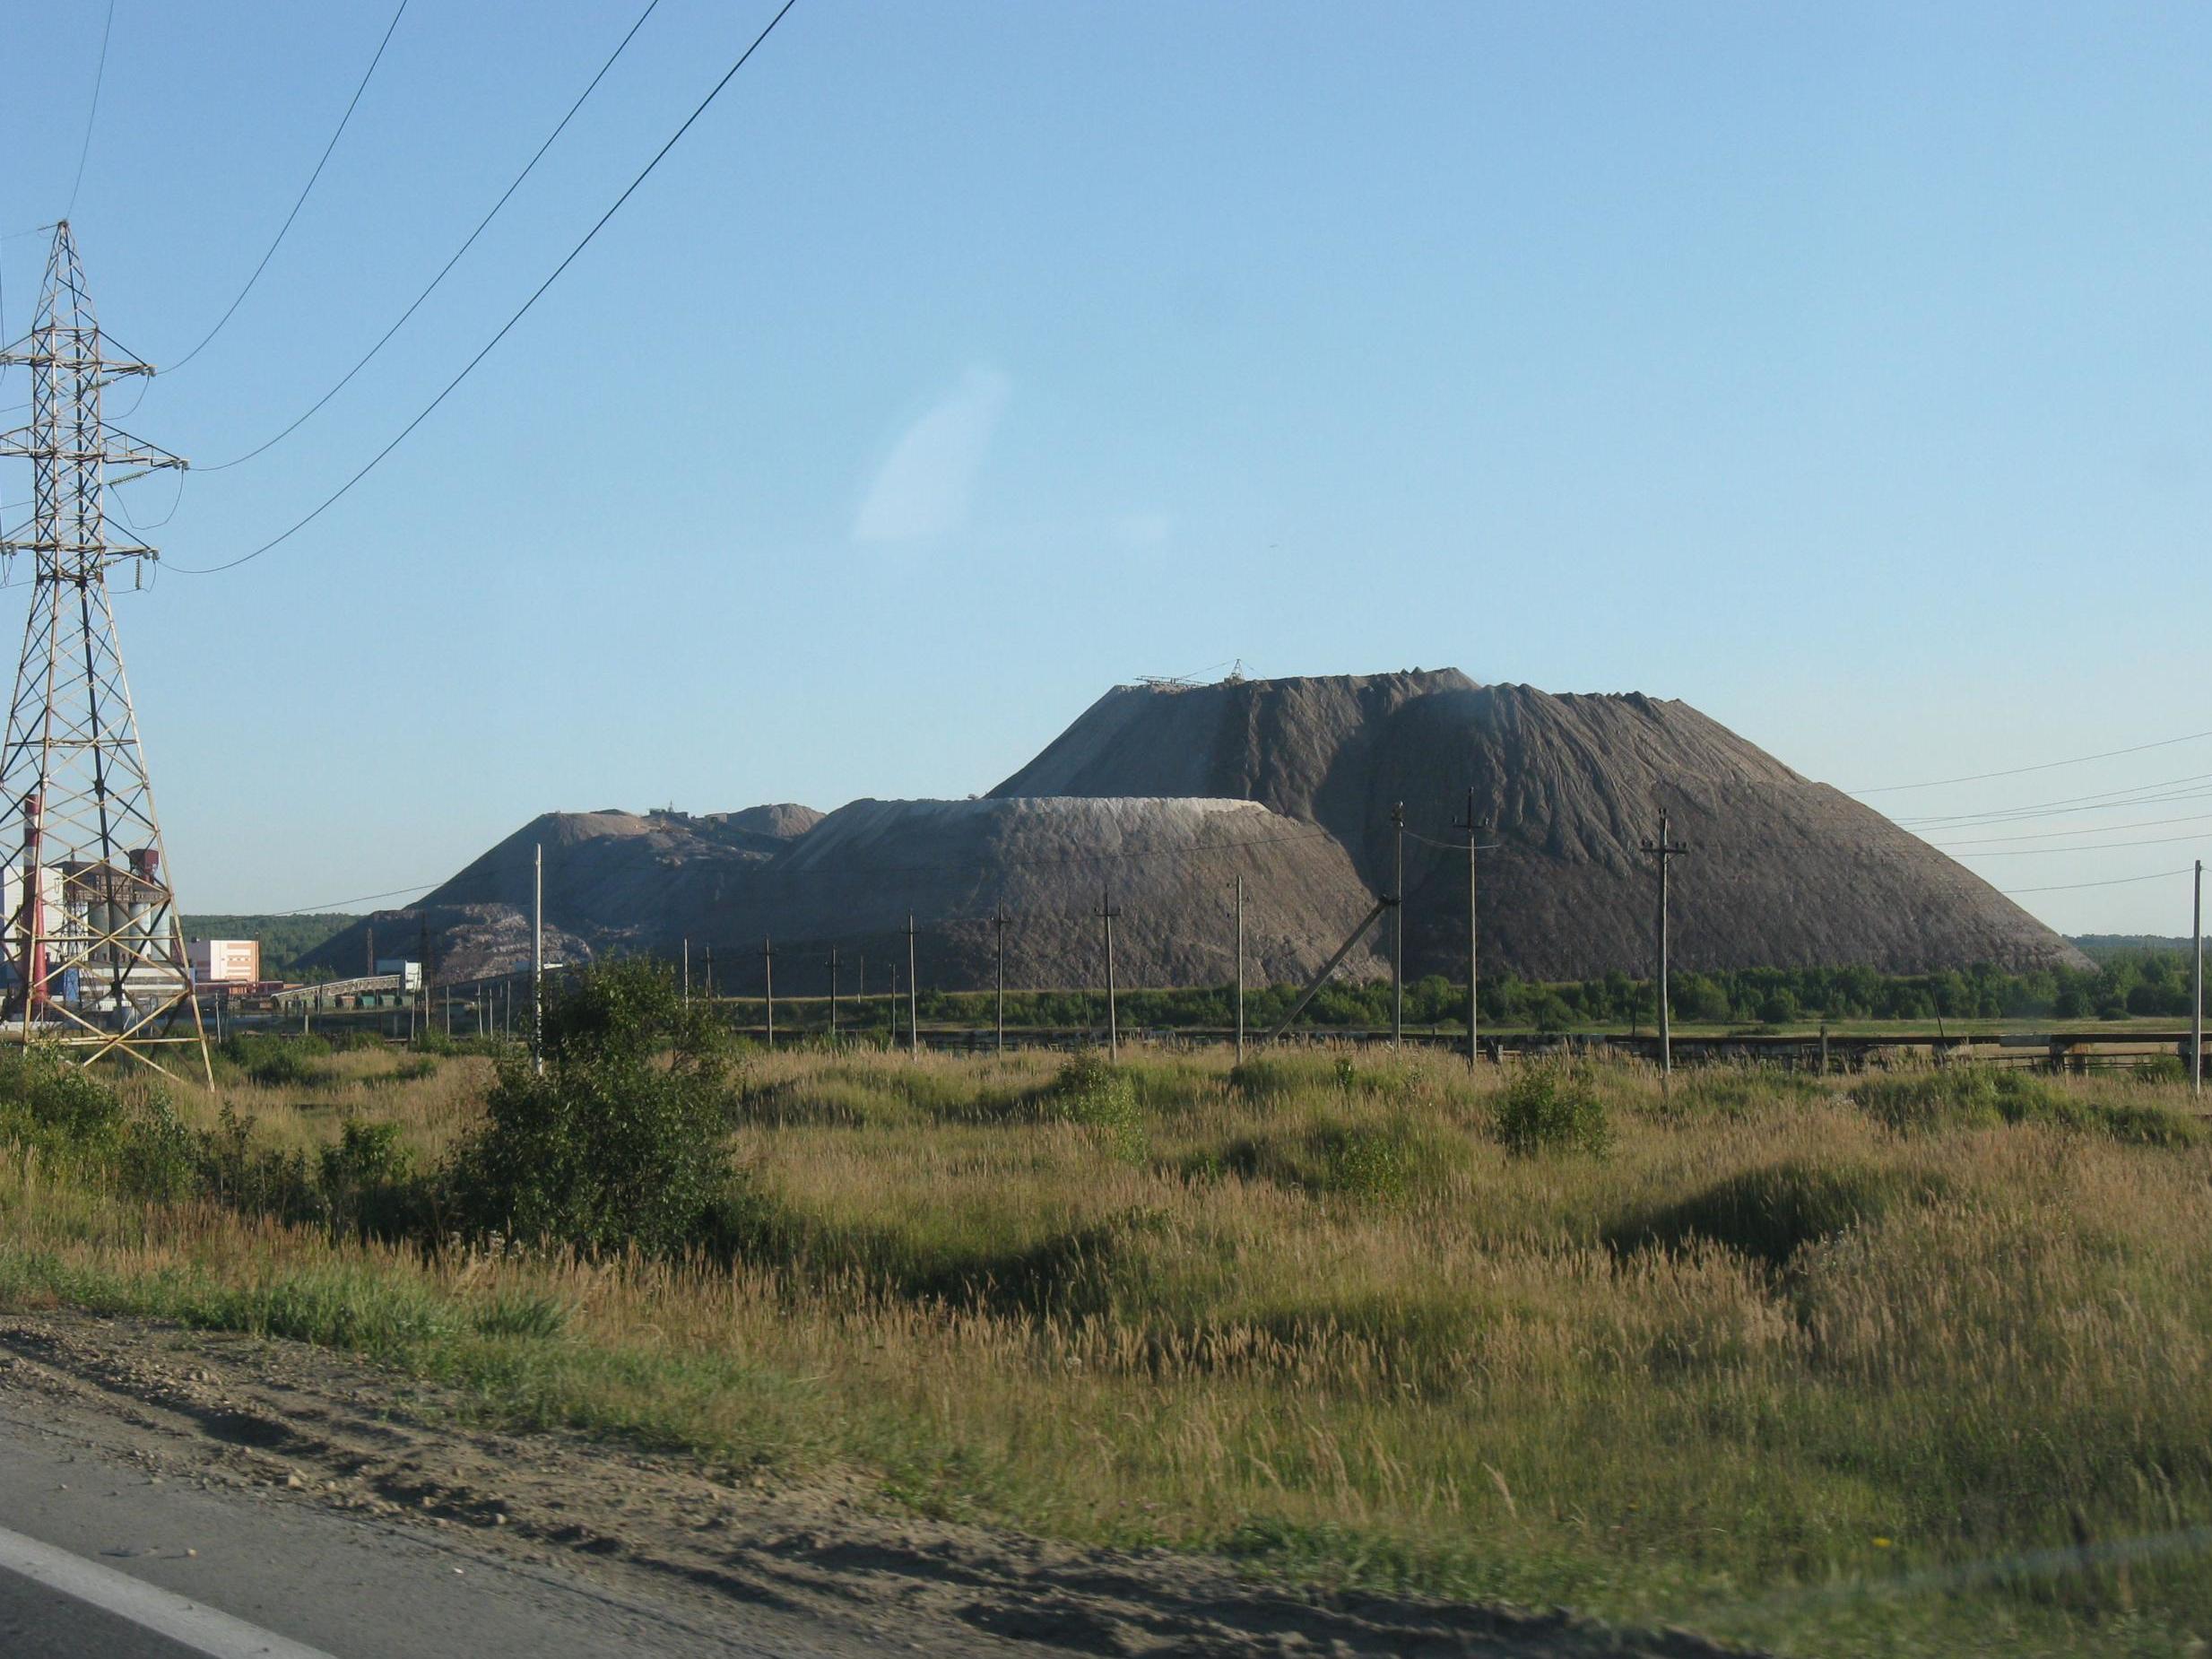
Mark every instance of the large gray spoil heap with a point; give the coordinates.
(1162, 796)
(1785, 872)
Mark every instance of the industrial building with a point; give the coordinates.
(225, 961)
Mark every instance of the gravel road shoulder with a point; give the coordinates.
(263, 1422)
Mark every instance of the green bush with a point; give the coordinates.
(1770, 1214)
(1376, 1162)
(277, 1062)
(1966, 1097)
(1553, 1107)
(1092, 1091)
(613, 1144)
(2160, 1069)
(1362, 1160)
(259, 1180)
(158, 1158)
(61, 1113)
(2142, 1125)
(56, 1110)
(1984, 1097)
(368, 1182)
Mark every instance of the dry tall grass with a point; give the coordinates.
(1770, 1366)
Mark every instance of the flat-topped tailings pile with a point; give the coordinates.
(1159, 798)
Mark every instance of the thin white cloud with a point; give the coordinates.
(922, 490)
(1144, 533)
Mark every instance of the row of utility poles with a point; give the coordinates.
(1663, 852)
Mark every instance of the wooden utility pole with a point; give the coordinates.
(1240, 970)
(687, 973)
(1474, 962)
(710, 973)
(767, 980)
(914, 1010)
(833, 999)
(1398, 931)
(2196, 987)
(1665, 851)
(1106, 913)
(537, 960)
(998, 920)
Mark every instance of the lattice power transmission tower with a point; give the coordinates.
(95, 961)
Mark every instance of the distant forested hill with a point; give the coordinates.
(284, 939)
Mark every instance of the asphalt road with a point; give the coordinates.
(102, 1561)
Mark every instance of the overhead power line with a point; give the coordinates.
(2068, 887)
(2055, 835)
(304, 193)
(332, 903)
(2181, 787)
(2099, 847)
(538, 294)
(93, 114)
(2043, 766)
(384, 339)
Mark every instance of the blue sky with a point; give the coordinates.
(1840, 370)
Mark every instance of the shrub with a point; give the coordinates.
(1982, 1097)
(1553, 1107)
(2145, 1125)
(1770, 1214)
(67, 1114)
(2160, 1069)
(276, 1062)
(259, 1180)
(1378, 1162)
(56, 1110)
(612, 1145)
(158, 1159)
(1956, 1097)
(367, 1181)
(1092, 1091)
(1361, 1160)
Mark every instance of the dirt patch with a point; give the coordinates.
(286, 1422)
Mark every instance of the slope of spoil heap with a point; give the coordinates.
(1162, 796)
(613, 880)
(1786, 872)
(1168, 866)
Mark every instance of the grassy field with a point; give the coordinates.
(1916, 1364)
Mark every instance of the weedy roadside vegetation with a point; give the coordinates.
(1912, 1364)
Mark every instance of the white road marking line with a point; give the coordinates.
(201, 1628)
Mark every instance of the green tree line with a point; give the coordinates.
(2128, 982)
